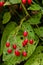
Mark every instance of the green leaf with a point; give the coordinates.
(39, 31)
(42, 2)
(6, 17)
(11, 26)
(42, 10)
(35, 19)
(34, 7)
(18, 38)
(36, 58)
(15, 1)
(7, 3)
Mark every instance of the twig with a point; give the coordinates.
(26, 12)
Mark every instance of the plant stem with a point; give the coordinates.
(13, 10)
(18, 28)
(26, 12)
(17, 13)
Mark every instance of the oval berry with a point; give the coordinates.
(9, 51)
(29, 2)
(23, 43)
(24, 53)
(31, 41)
(26, 41)
(7, 44)
(24, 2)
(14, 46)
(1, 4)
(25, 33)
(17, 53)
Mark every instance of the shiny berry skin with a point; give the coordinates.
(24, 53)
(29, 2)
(17, 53)
(14, 46)
(26, 41)
(24, 2)
(7, 44)
(25, 33)
(1, 4)
(23, 44)
(9, 51)
(31, 41)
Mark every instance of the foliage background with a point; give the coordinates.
(11, 12)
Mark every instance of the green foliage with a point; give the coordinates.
(34, 7)
(37, 57)
(39, 31)
(6, 33)
(0, 47)
(6, 17)
(18, 18)
(35, 19)
(2, 63)
(42, 11)
(7, 3)
(16, 38)
(42, 2)
(15, 1)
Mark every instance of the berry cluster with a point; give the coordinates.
(27, 1)
(23, 1)
(24, 43)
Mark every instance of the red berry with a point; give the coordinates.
(9, 51)
(7, 44)
(1, 4)
(26, 41)
(23, 43)
(24, 53)
(17, 53)
(14, 46)
(31, 41)
(25, 33)
(24, 2)
(29, 2)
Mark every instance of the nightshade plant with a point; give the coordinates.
(21, 32)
